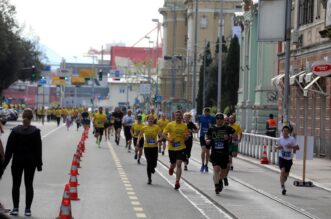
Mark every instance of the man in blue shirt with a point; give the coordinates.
(205, 122)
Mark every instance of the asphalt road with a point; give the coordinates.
(113, 185)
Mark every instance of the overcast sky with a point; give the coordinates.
(71, 27)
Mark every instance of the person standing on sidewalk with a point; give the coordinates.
(24, 147)
(150, 133)
(218, 138)
(286, 145)
(271, 126)
(205, 122)
(176, 133)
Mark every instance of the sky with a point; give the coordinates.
(70, 27)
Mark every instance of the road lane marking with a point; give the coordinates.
(139, 211)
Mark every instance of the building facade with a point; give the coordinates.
(309, 100)
(179, 40)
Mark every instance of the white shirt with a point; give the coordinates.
(128, 120)
(286, 153)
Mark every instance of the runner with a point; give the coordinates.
(150, 133)
(107, 124)
(58, 112)
(176, 133)
(128, 121)
(99, 125)
(286, 145)
(68, 120)
(205, 122)
(192, 128)
(217, 137)
(85, 118)
(117, 115)
(162, 122)
(135, 131)
(233, 147)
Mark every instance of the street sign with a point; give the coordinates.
(158, 99)
(321, 68)
(145, 88)
(42, 81)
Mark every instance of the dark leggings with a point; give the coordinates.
(17, 172)
(151, 157)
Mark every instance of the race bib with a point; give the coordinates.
(150, 141)
(204, 130)
(286, 154)
(176, 144)
(219, 145)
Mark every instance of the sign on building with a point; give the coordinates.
(321, 68)
(145, 88)
(271, 20)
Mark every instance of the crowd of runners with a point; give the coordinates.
(153, 133)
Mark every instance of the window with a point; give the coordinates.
(203, 22)
(122, 90)
(306, 12)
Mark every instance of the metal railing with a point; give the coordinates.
(252, 145)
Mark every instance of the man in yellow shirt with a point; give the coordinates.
(176, 133)
(99, 124)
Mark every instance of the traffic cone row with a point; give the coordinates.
(70, 190)
(264, 158)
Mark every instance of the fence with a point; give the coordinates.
(252, 145)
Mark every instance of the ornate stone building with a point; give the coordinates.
(179, 39)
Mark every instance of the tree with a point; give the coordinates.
(230, 75)
(206, 60)
(17, 55)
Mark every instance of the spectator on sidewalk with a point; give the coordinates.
(24, 147)
(286, 146)
(271, 127)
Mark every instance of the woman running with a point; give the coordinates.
(135, 130)
(192, 128)
(150, 133)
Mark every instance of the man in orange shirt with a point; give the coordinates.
(271, 126)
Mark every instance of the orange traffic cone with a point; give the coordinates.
(74, 168)
(73, 181)
(73, 192)
(65, 209)
(264, 158)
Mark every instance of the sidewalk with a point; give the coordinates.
(318, 170)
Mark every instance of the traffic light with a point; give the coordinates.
(33, 73)
(100, 75)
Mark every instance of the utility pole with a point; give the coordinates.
(195, 53)
(220, 51)
(204, 78)
(157, 62)
(173, 58)
(287, 61)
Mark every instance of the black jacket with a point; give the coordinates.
(24, 145)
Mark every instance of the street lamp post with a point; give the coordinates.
(195, 53)
(173, 58)
(157, 60)
(220, 51)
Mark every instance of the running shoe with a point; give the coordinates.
(220, 184)
(149, 182)
(171, 171)
(14, 212)
(177, 185)
(217, 189)
(202, 168)
(185, 167)
(231, 168)
(226, 182)
(206, 168)
(283, 190)
(138, 161)
(135, 156)
(27, 212)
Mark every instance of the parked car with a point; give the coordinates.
(4, 115)
(13, 115)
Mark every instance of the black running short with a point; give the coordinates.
(219, 159)
(283, 163)
(177, 155)
(118, 125)
(99, 131)
(127, 133)
(203, 142)
(141, 142)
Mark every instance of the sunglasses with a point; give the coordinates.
(219, 118)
